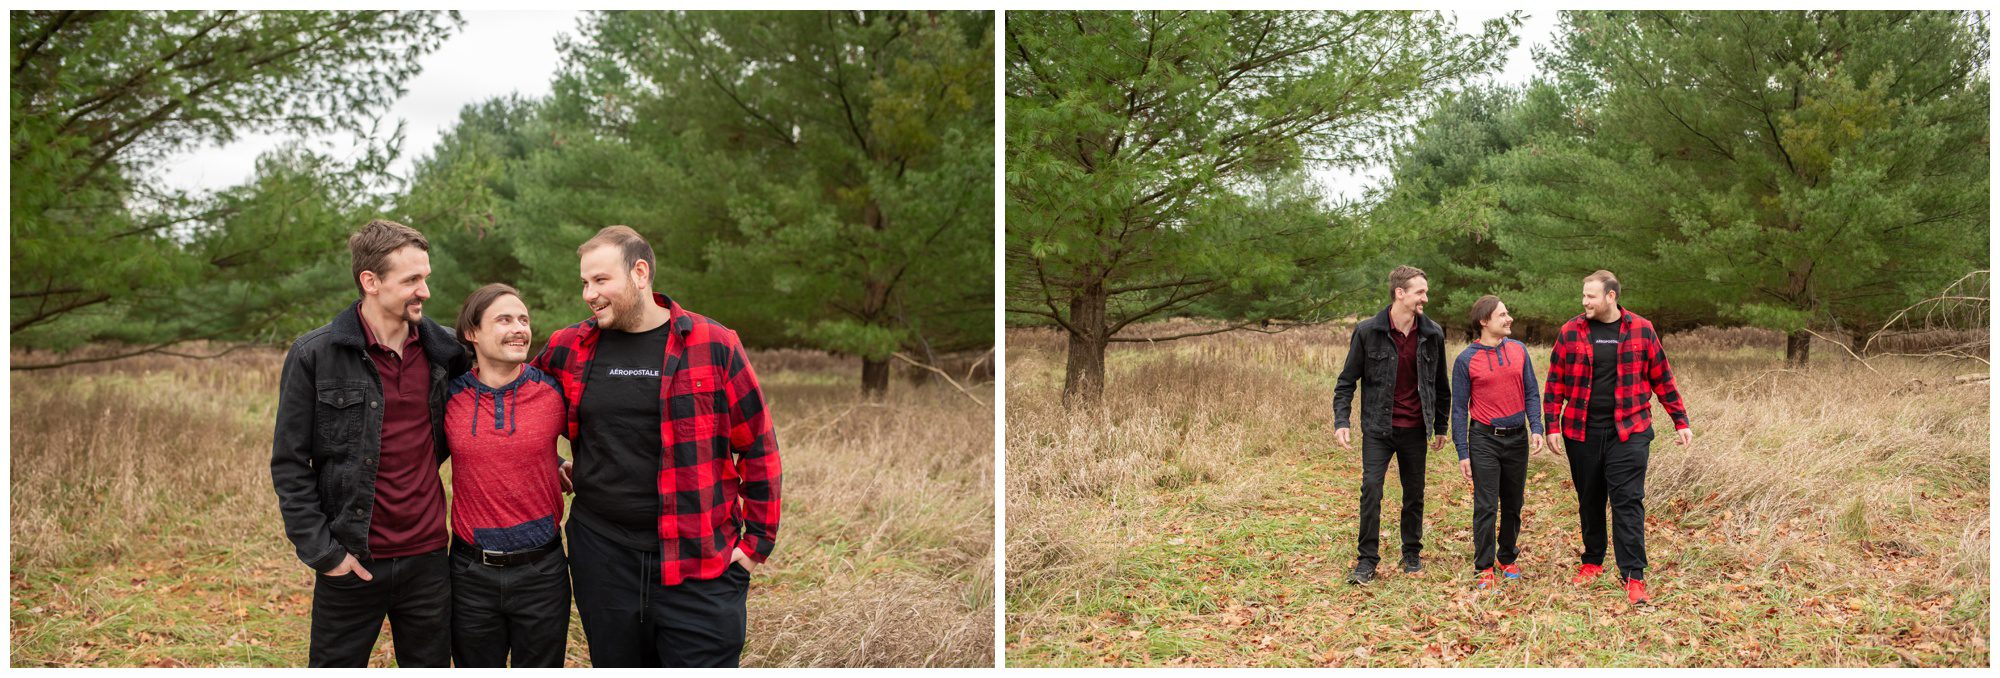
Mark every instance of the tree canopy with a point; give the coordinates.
(1156, 159)
(817, 179)
(102, 250)
(1811, 171)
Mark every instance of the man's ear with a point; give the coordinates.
(642, 274)
(370, 283)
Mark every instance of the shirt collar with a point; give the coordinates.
(368, 336)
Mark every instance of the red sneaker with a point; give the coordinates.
(1510, 571)
(1586, 573)
(1485, 579)
(1635, 592)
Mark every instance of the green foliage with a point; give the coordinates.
(819, 179)
(101, 251)
(816, 179)
(1154, 157)
(1791, 170)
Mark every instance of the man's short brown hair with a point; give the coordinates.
(371, 246)
(627, 241)
(1609, 281)
(1400, 278)
(476, 305)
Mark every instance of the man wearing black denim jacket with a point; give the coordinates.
(1398, 356)
(355, 464)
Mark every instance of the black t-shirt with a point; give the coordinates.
(1603, 375)
(618, 443)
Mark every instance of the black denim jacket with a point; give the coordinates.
(1371, 360)
(328, 442)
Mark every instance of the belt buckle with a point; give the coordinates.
(486, 558)
(1505, 431)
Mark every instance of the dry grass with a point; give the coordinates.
(145, 531)
(1202, 515)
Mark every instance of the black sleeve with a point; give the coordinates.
(1350, 374)
(292, 470)
(1441, 393)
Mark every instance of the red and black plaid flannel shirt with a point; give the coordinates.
(718, 479)
(1642, 373)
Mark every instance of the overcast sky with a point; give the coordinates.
(493, 54)
(496, 53)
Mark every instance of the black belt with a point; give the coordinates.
(1483, 427)
(498, 559)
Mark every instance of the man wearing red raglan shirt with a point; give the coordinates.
(676, 468)
(509, 579)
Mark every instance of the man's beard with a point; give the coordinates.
(627, 314)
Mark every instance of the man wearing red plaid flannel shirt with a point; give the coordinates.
(1606, 367)
(676, 468)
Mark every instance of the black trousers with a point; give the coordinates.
(1606, 470)
(414, 592)
(519, 609)
(632, 620)
(1499, 477)
(1407, 446)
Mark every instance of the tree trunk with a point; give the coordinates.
(1083, 379)
(874, 377)
(874, 307)
(1798, 348)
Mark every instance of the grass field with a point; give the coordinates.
(145, 531)
(1204, 516)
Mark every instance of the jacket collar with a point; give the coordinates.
(440, 342)
(1625, 320)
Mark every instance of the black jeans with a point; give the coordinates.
(1605, 469)
(1406, 445)
(520, 609)
(414, 592)
(632, 620)
(1499, 477)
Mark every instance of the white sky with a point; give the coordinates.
(492, 54)
(496, 53)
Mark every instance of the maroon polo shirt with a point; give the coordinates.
(409, 497)
(1405, 410)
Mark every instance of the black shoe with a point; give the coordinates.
(1412, 564)
(1362, 574)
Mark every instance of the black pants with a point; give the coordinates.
(1499, 477)
(632, 620)
(519, 609)
(1605, 469)
(1406, 445)
(414, 592)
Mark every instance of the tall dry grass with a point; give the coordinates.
(1212, 412)
(128, 475)
(1852, 480)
